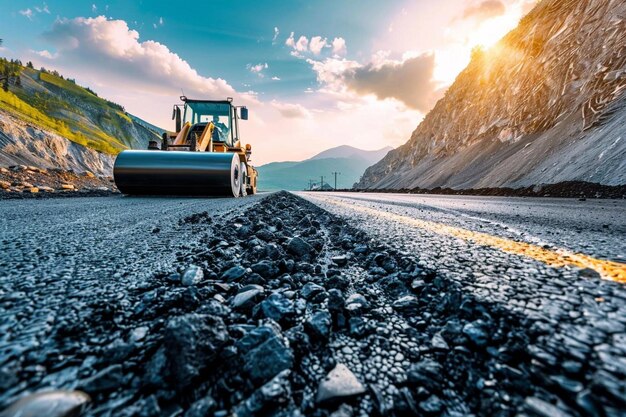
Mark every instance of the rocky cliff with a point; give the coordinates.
(24, 144)
(545, 105)
(51, 122)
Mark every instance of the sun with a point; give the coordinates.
(490, 31)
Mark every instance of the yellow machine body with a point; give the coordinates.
(203, 156)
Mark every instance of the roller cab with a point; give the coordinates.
(204, 156)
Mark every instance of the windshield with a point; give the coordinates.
(218, 113)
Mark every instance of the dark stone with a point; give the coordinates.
(407, 305)
(356, 302)
(299, 247)
(438, 342)
(192, 276)
(335, 300)
(246, 296)
(338, 281)
(272, 395)
(344, 410)
(318, 325)
(202, 408)
(360, 249)
(340, 260)
(191, 344)
(542, 408)
(266, 269)
(156, 369)
(432, 405)
(393, 286)
(266, 360)
(233, 274)
(265, 234)
(426, 373)
(339, 383)
(271, 251)
(357, 327)
(310, 290)
(49, 404)
(477, 333)
(254, 338)
(106, 380)
(277, 307)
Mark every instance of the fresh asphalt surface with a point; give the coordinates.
(57, 253)
(594, 227)
(98, 237)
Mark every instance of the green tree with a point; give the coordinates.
(30, 65)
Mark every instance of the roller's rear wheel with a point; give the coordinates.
(244, 179)
(236, 178)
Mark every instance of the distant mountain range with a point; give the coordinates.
(546, 104)
(49, 121)
(349, 161)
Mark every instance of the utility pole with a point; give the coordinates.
(311, 182)
(322, 184)
(335, 174)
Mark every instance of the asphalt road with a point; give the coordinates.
(556, 264)
(529, 289)
(593, 227)
(56, 254)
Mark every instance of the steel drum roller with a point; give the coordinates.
(177, 173)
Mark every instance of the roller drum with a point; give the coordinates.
(177, 173)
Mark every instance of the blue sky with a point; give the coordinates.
(314, 73)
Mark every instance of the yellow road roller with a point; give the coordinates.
(203, 157)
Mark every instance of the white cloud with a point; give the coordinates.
(339, 46)
(302, 44)
(409, 80)
(94, 8)
(274, 78)
(258, 68)
(317, 44)
(42, 9)
(161, 21)
(291, 111)
(28, 13)
(276, 33)
(109, 48)
(45, 54)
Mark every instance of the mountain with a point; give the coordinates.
(546, 104)
(346, 151)
(349, 161)
(52, 122)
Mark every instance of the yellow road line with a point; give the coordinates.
(613, 271)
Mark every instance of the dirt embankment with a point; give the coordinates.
(21, 181)
(568, 189)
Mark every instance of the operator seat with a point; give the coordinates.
(181, 138)
(206, 138)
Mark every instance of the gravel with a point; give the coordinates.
(338, 323)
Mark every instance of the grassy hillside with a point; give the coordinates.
(76, 113)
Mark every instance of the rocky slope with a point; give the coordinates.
(51, 122)
(545, 105)
(24, 144)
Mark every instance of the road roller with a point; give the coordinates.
(203, 157)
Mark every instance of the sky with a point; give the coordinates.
(314, 74)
